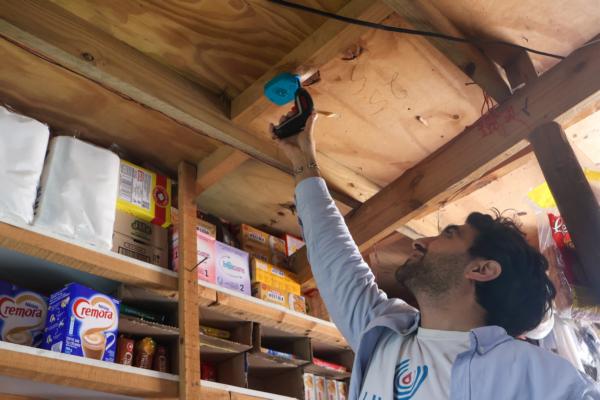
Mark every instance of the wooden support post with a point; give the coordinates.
(188, 308)
(213, 168)
(520, 70)
(574, 197)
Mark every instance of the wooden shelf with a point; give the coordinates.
(22, 362)
(272, 315)
(217, 346)
(219, 391)
(43, 245)
(327, 372)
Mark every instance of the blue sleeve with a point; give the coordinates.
(344, 279)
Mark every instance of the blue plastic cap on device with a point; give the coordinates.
(282, 89)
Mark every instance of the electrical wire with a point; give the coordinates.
(390, 28)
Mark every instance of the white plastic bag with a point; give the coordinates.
(79, 192)
(23, 143)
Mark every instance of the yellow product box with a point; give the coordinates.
(265, 246)
(271, 275)
(267, 293)
(144, 194)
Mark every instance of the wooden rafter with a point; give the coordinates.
(54, 34)
(491, 140)
(423, 15)
(218, 164)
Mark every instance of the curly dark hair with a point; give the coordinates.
(522, 294)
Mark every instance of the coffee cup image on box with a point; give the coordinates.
(82, 322)
(22, 315)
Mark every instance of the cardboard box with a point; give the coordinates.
(262, 245)
(139, 239)
(292, 244)
(22, 315)
(145, 194)
(202, 226)
(277, 278)
(297, 303)
(267, 293)
(206, 254)
(233, 268)
(309, 387)
(320, 387)
(82, 322)
(331, 389)
(342, 390)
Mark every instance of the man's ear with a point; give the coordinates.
(483, 270)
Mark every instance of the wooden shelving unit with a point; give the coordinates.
(219, 391)
(33, 242)
(22, 362)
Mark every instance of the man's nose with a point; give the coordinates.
(422, 244)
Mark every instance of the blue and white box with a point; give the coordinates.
(82, 322)
(22, 315)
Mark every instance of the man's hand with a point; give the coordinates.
(300, 149)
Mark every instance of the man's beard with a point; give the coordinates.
(432, 275)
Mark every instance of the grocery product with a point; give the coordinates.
(263, 246)
(297, 303)
(82, 322)
(276, 353)
(267, 293)
(22, 315)
(125, 348)
(78, 192)
(23, 143)
(143, 314)
(139, 239)
(332, 393)
(161, 359)
(208, 371)
(292, 244)
(329, 365)
(206, 254)
(320, 387)
(233, 269)
(342, 390)
(144, 194)
(144, 353)
(278, 278)
(309, 386)
(214, 332)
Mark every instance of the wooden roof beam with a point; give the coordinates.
(483, 146)
(423, 15)
(213, 168)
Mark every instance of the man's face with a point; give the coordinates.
(437, 264)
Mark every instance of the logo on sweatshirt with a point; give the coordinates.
(408, 380)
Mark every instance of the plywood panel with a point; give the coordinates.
(397, 102)
(224, 45)
(255, 194)
(550, 25)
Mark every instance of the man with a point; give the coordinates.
(477, 286)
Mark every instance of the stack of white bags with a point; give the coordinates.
(78, 187)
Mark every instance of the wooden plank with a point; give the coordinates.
(573, 195)
(329, 40)
(73, 371)
(188, 306)
(494, 138)
(248, 308)
(84, 258)
(423, 15)
(213, 168)
(520, 70)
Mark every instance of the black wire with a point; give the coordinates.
(390, 28)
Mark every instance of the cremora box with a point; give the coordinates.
(277, 278)
(262, 245)
(233, 268)
(22, 315)
(140, 239)
(292, 244)
(82, 322)
(145, 194)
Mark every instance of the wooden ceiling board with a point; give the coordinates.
(223, 45)
(396, 103)
(74, 105)
(554, 26)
